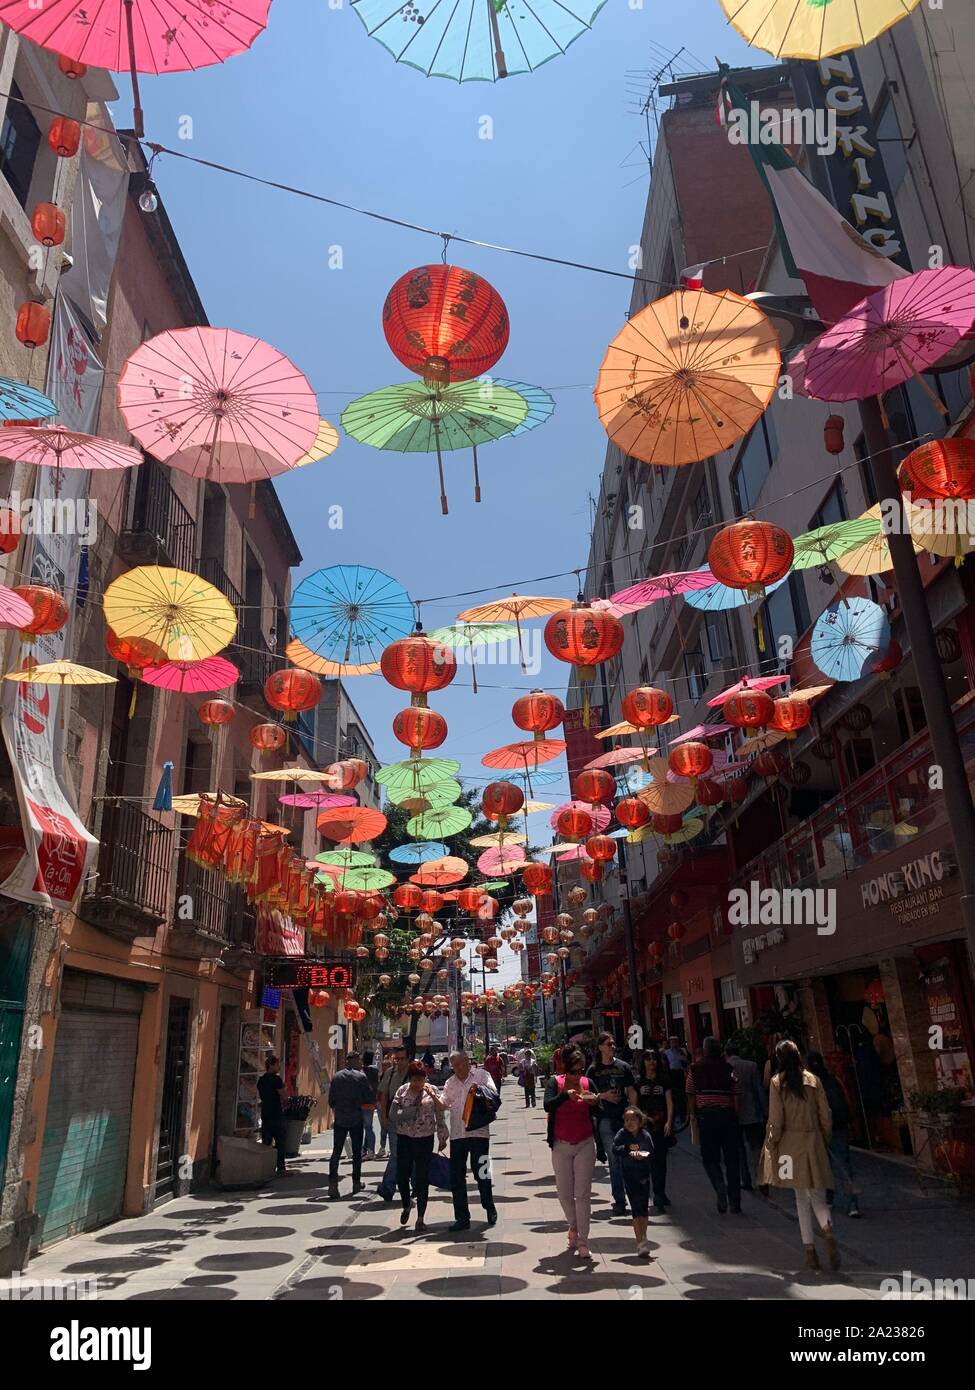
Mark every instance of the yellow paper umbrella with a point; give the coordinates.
(189, 803)
(872, 556)
(300, 655)
(62, 673)
(326, 442)
(499, 840)
(178, 611)
(513, 609)
(292, 774)
(813, 28)
(691, 828)
(939, 530)
(687, 377)
(532, 808)
(616, 730)
(760, 743)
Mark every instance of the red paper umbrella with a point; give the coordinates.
(618, 757)
(595, 786)
(525, 756)
(420, 728)
(352, 825)
(750, 554)
(418, 664)
(538, 712)
(445, 323)
(942, 468)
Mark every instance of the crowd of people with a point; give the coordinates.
(784, 1126)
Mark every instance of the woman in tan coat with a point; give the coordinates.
(795, 1153)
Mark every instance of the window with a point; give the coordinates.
(866, 472)
(716, 630)
(20, 138)
(696, 671)
(891, 143)
(785, 613)
(833, 507)
(752, 466)
(701, 511)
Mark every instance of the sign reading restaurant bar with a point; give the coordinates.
(290, 973)
(902, 899)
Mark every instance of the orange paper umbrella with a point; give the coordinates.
(525, 755)
(512, 610)
(300, 655)
(351, 825)
(687, 376)
(439, 873)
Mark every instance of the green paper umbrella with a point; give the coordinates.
(472, 639)
(325, 881)
(367, 879)
(417, 418)
(450, 820)
(346, 858)
(416, 775)
(829, 542)
(493, 883)
(439, 795)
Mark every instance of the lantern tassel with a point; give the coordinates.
(164, 792)
(477, 476)
(135, 691)
(760, 632)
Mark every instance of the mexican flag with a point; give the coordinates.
(819, 246)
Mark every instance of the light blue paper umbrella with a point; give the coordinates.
(718, 597)
(476, 40)
(847, 637)
(419, 853)
(21, 402)
(540, 404)
(347, 614)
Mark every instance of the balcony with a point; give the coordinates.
(883, 810)
(129, 894)
(158, 528)
(255, 658)
(210, 917)
(214, 573)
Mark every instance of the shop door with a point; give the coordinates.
(84, 1158)
(173, 1097)
(15, 951)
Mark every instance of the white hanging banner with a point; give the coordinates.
(97, 211)
(75, 374)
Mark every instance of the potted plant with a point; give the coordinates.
(295, 1111)
(937, 1109)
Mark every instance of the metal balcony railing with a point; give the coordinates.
(878, 812)
(135, 854)
(214, 573)
(207, 903)
(254, 656)
(156, 512)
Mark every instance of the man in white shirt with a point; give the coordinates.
(468, 1145)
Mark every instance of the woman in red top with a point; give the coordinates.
(569, 1101)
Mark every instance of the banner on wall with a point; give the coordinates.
(97, 211)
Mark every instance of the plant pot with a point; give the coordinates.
(293, 1131)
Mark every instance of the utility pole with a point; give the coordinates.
(636, 1002)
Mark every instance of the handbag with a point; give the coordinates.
(440, 1171)
(481, 1107)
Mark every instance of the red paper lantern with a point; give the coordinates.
(750, 554)
(469, 899)
(632, 812)
(735, 790)
(690, 759)
(431, 901)
(346, 902)
(419, 727)
(47, 223)
(591, 871)
(676, 931)
(50, 609)
(656, 952)
(833, 434)
(667, 824)
(216, 712)
(601, 848)
(407, 896)
(488, 908)
(370, 906)
(789, 715)
(748, 709)
(584, 637)
(292, 691)
(33, 324)
(445, 323)
(942, 468)
(71, 67)
(888, 660)
(9, 531)
(419, 665)
(268, 738)
(351, 1010)
(708, 792)
(64, 137)
(538, 712)
(346, 774)
(537, 878)
(318, 998)
(137, 653)
(596, 786)
(769, 763)
(647, 707)
(574, 824)
(874, 994)
(501, 799)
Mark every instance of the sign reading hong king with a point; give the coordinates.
(918, 876)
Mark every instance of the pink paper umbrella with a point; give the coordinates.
(14, 611)
(892, 335)
(52, 446)
(619, 757)
(218, 404)
(599, 815)
(749, 683)
(316, 801)
(649, 591)
(193, 677)
(501, 861)
(700, 731)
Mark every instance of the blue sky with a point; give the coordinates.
(320, 105)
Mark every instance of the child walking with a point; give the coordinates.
(633, 1146)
